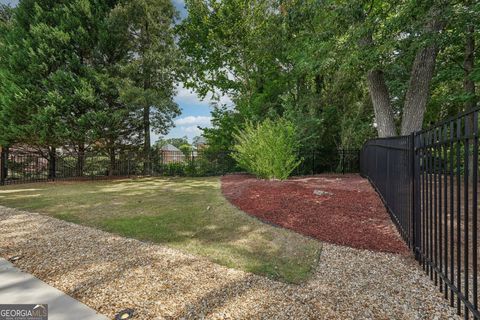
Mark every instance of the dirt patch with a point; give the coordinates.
(340, 209)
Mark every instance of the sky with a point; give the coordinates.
(195, 112)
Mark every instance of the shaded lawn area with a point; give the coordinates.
(186, 213)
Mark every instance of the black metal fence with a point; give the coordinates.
(31, 166)
(341, 161)
(27, 165)
(388, 165)
(429, 184)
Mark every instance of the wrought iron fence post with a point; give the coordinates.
(415, 213)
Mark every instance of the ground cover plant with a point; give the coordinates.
(185, 213)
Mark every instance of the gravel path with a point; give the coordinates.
(110, 273)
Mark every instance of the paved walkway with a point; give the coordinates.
(20, 287)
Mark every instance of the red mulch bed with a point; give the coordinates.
(351, 215)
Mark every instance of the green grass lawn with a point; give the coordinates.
(186, 213)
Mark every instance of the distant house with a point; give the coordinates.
(170, 147)
(201, 143)
(170, 154)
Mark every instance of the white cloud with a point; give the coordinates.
(226, 100)
(188, 126)
(187, 96)
(179, 3)
(191, 131)
(12, 3)
(194, 120)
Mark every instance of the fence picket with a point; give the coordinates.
(29, 165)
(440, 223)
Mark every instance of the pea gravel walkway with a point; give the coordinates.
(110, 273)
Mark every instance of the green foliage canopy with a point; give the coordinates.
(86, 73)
(308, 61)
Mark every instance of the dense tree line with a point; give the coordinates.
(102, 73)
(341, 71)
(87, 73)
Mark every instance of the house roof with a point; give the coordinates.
(170, 147)
(201, 140)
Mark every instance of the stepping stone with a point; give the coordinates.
(321, 193)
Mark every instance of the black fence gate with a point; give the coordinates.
(429, 183)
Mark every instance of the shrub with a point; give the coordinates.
(186, 150)
(210, 162)
(267, 149)
(174, 169)
(204, 167)
(191, 169)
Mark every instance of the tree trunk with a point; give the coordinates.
(111, 153)
(380, 96)
(52, 159)
(146, 143)
(146, 108)
(469, 86)
(418, 89)
(421, 75)
(3, 164)
(381, 104)
(318, 84)
(80, 159)
(468, 65)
